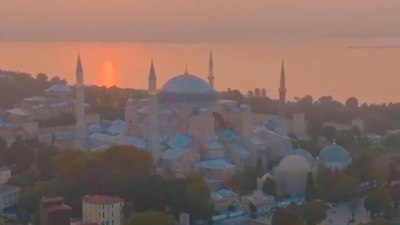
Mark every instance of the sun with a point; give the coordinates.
(109, 75)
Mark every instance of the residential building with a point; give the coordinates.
(103, 210)
(54, 211)
(5, 175)
(8, 197)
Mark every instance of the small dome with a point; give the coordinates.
(187, 83)
(96, 128)
(271, 125)
(334, 153)
(59, 88)
(306, 154)
(294, 162)
(291, 175)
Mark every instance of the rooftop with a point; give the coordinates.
(187, 83)
(102, 199)
(52, 199)
(216, 164)
(4, 188)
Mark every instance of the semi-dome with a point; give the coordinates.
(334, 153)
(187, 83)
(291, 175)
(187, 89)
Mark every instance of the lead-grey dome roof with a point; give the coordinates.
(187, 83)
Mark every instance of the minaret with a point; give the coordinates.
(153, 145)
(282, 93)
(211, 71)
(80, 128)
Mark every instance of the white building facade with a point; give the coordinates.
(8, 197)
(103, 210)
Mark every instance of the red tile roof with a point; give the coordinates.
(52, 199)
(101, 199)
(62, 207)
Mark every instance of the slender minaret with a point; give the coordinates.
(153, 144)
(80, 128)
(211, 71)
(282, 93)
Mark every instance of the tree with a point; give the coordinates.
(356, 131)
(351, 103)
(44, 161)
(329, 132)
(20, 156)
(315, 212)
(335, 186)
(245, 181)
(151, 218)
(305, 102)
(379, 222)
(41, 77)
(314, 126)
(353, 205)
(345, 138)
(28, 201)
(376, 201)
(392, 173)
(128, 209)
(198, 197)
(269, 187)
(286, 216)
(325, 100)
(361, 165)
(310, 189)
(231, 207)
(55, 80)
(3, 145)
(252, 209)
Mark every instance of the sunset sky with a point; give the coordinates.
(117, 38)
(197, 20)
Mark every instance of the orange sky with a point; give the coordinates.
(197, 20)
(316, 68)
(249, 38)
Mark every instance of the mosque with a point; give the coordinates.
(187, 128)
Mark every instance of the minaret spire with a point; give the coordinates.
(152, 79)
(282, 92)
(80, 127)
(283, 83)
(79, 69)
(153, 145)
(282, 87)
(211, 70)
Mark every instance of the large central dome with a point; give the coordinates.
(187, 89)
(187, 83)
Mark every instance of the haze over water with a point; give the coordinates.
(315, 68)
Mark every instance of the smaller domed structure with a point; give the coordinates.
(334, 156)
(291, 175)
